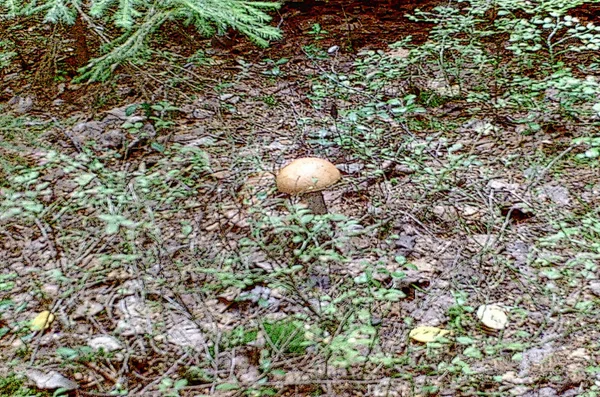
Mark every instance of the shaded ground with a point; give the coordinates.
(440, 212)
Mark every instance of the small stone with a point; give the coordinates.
(333, 49)
(87, 308)
(50, 380)
(580, 354)
(350, 168)
(276, 146)
(106, 342)
(230, 98)
(403, 169)
(519, 390)
(250, 375)
(424, 264)
(21, 104)
(492, 316)
(557, 194)
(186, 334)
(595, 288)
(111, 139)
(205, 141)
(50, 289)
(547, 392)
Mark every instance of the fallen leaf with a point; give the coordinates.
(427, 334)
(492, 316)
(42, 321)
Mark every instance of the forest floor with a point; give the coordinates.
(145, 250)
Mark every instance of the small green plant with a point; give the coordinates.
(239, 336)
(286, 335)
(171, 388)
(592, 152)
(200, 58)
(162, 111)
(14, 386)
(7, 53)
(314, 52)
(275, 71)
(317, 31)
(269, 100)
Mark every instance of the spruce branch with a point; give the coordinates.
(138, 19)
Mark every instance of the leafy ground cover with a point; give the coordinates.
(146, 251)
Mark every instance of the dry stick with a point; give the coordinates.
(103, 372)
(45, 235)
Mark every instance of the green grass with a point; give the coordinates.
(14, 386)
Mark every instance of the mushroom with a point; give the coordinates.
(308, 177)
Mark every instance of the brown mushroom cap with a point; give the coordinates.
(309, 174)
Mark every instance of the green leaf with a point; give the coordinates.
(7, 286)
(552, 274)
(401, 260)
(361, 279)
(514, 347)
(32, 206)
(67, 353)
(181, 383)
(186, 230)
(592, 153)
(26, 178)
(84, 179)
(337, 217)
(60, 392)
(11, 212)
(158, 147)
(112, 228)
(227, 386)
(473, 352)
(465, 340)
(306, 219)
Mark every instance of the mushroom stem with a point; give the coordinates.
(315, 202)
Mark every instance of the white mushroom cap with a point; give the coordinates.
(309, 174)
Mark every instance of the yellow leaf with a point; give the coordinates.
(42, 321)
(427, 334)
